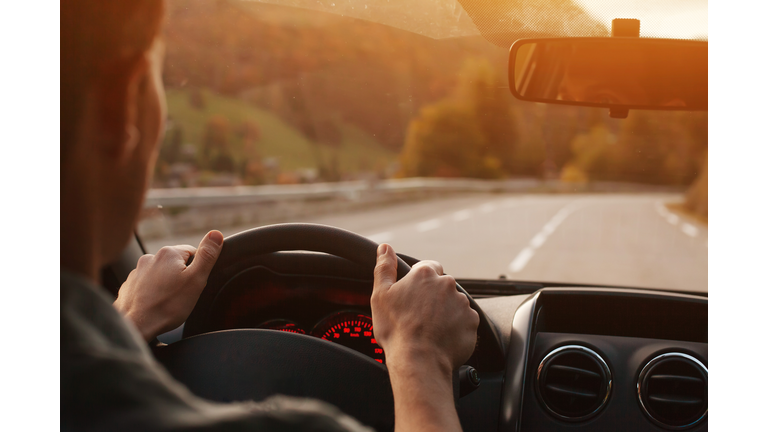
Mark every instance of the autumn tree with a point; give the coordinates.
(446, 141)
(486, 93)
(216, 152)
(469, 134)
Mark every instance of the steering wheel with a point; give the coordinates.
(252, 364)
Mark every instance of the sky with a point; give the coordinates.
(658, 18)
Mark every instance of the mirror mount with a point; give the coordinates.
(625, 27)
(618, 113)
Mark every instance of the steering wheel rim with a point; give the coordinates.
(278, 238)
(192, 362)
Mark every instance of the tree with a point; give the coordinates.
(250, 133)
(469, 134)
(489, 98)
(593, 153)
(217, 154)
(170, 151)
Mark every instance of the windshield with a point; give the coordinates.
(393, 119)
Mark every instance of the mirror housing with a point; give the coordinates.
(619, 73)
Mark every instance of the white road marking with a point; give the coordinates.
(673, 219)
(487, 208)
(521, 260)
(462, 215)
(690, 230)
(539, 240)
(428, 225)
(525, 255)
(661, 209)
(381, 237)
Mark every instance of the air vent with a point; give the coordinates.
(573, 383)
(672, 389)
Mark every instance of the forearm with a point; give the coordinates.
(423, 392)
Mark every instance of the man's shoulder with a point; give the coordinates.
(88, 320)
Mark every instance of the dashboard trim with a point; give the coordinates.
(517, 363)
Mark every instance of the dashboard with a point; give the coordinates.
(330, 308)
(574, 358)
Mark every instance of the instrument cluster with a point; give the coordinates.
(351, 329)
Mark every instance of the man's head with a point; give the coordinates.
(112, 113)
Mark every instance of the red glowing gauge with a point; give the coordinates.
(282, 325)
(353, 330)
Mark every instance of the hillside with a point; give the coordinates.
(356, 150)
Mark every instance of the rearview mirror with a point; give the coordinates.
(617, 73)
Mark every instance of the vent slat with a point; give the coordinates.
(571, 369)
(674, 399)
(571, 391)
(682, 378)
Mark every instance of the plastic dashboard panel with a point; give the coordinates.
(626, 327)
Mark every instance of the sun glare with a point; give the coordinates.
(684, 19)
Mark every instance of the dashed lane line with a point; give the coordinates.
(462, 215)
(690, 230)
(521, 260)
(428, 225)
(525, 255)
(674, 219)
(458, 216)
(487, 207)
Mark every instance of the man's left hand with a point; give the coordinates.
(161, 292)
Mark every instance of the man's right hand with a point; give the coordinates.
(427, 330)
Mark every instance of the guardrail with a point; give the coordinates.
(368, 190)
(350, 190)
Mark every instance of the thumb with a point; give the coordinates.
(385, 273)
(207, 253)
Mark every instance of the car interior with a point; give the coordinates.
(287, 307)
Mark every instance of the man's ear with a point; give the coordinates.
(116, 97)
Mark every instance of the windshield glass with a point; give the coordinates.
(393, 119)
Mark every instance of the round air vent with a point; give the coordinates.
(573, 382)
(672, 389)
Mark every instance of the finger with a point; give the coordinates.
(434, 265)
(385, 273)
(186, 252)
(185, 248)
(207, 253)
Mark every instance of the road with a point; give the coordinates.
(612, 239)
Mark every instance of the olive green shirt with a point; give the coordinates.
(111, 382)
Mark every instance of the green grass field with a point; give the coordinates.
(358, 150)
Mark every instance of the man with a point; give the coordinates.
(112, 113)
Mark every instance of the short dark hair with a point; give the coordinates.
(93, 34)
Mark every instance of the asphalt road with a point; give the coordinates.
(613, 239)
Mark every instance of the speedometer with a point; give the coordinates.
(282, 325)
(353, 330)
